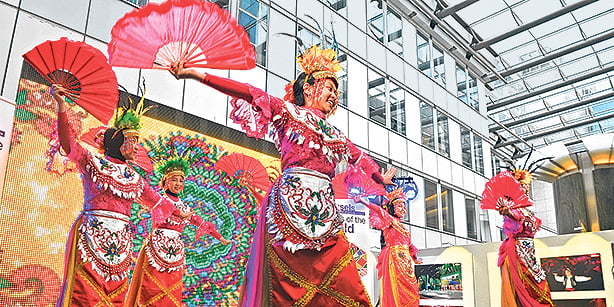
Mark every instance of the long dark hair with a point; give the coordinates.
(297, 87)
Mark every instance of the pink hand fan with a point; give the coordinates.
(198, 32)
(360, 187)
(504, 185)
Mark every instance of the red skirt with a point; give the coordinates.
(310, 277)
(395, 268)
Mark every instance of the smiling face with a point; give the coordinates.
(400, 208)
(174, 184)
(322, 95)
(129, 147)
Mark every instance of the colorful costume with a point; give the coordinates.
(523, 280)
(157, 277)
(395, 264)
(300, 254)
(98, 253)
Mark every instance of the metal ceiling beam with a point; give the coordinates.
(545, 133)
(497, 105)
(532, 24)
(458, 40)
(557, 110)
(583, 44)
(455, 8)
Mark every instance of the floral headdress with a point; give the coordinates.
(171, 158)
(128, 118)
(317, 63)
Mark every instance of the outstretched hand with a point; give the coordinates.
(178, 70)
(388, 175)
(225, 241)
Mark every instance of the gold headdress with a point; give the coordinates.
(396, 194)
(319, 63)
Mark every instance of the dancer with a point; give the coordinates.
(523, 282)
(395, 264)
(300, 254)
(98, 252)
(157, 277)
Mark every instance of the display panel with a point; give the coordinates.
(440, 282)
(43, 195)
(574, 273)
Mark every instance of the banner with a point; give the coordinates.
(7, 108)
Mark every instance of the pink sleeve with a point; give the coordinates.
(360, 162)
(413, 251)
(160, 207)
(378, 217)
(204, 227)
(252, 108)
(76, 152)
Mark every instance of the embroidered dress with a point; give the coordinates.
(157, 277)
(98, 253)
(395, 264)
(523, 282)
(299, 255)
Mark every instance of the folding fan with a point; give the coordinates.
(195, 31)
(359, 187)
(142, 160)
(504, 185)
(245, 168)
(82, 70)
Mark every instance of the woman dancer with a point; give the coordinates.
(300, 254)
(98, 253)
(395, 264)
(157, 277)
(523, 282)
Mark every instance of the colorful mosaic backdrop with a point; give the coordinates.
(43, 195)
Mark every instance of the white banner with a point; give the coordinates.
(7, 110)
(359, 233)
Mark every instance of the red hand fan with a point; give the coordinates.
(82, 70)
(93, 138)
(198, 32)
(361, 187)
(246, 169)
(504, 185)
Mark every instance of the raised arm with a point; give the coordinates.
(361, 162)
(57, 91)
(224, 85)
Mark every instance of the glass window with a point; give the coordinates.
(461, 83)
(472, 91)
(397, 108)
(439, 70)
(340, 6)
(254, 16)
(377, 97)
(343, 78)
(466, 147)
(424, 54)
(430, 203)
(427, 125)
(479, 155)
(443, 134)
(394, 28)
(138, 2)
(375, 19)
(472, 230)
(447, 210)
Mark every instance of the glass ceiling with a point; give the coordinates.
(559, 73)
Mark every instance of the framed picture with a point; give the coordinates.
(440, 282)
(574, 273)
(590, 302)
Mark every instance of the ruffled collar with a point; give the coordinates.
(315, 112)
